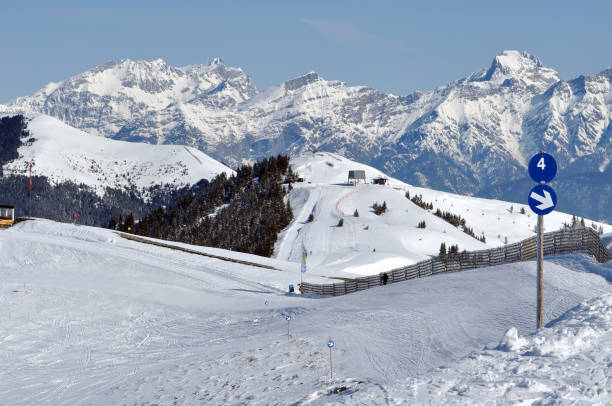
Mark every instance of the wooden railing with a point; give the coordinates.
(583, 240)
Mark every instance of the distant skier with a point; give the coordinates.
(385, 279)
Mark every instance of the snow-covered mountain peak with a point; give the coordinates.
(129, 91)
(216, 61)
(301, 81)
(512, 62)
(517, 66)
(606, 72)
(512, 59)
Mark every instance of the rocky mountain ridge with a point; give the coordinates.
(470, 136)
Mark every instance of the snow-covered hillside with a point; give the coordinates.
(370, 244)
(466, 137)
(88, 318)
(568, 362)
(61, 153)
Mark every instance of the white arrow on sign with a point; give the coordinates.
(546, 200)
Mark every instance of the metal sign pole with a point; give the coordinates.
(331, 365)
(30, 194)
(540, 268)
(303, 267)
(542, 200)
(330, 344)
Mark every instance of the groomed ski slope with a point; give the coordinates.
(90, 318)
(370, 244)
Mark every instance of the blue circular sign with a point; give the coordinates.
(330, 343)
(542, 199)
(542, 167)
(287, 317)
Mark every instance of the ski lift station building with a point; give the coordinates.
(7, 215)
(355, 176)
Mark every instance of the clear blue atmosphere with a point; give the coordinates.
(394, 46)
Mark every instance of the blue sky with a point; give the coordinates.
(394, 46)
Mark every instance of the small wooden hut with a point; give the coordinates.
(379, 181)
(7, 215)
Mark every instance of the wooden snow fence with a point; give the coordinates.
(583, 240)
(529, 248)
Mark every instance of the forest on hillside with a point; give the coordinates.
(243, 212)
(60, 201)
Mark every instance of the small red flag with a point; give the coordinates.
(30, 176)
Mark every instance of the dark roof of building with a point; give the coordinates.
(357, 174)
(5, 206)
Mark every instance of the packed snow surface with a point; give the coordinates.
(91, 318)
(63, 153)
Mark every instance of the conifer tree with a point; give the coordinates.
(442, 249)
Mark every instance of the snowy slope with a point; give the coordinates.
(91, 318)
(370, 244)
(566, 363)
(61, 153)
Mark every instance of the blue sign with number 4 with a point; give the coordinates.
(542, 167)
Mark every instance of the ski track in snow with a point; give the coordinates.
(339, 202)
(106, 320)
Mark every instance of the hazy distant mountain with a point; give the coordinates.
(471, 136)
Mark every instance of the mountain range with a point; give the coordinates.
(473, 136)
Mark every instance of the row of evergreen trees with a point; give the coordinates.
(582, 224)
(418, 200)
(453, 249)
(13, 134)
(454, 219)
(379, 209)
(60, 201)
(243, 212)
